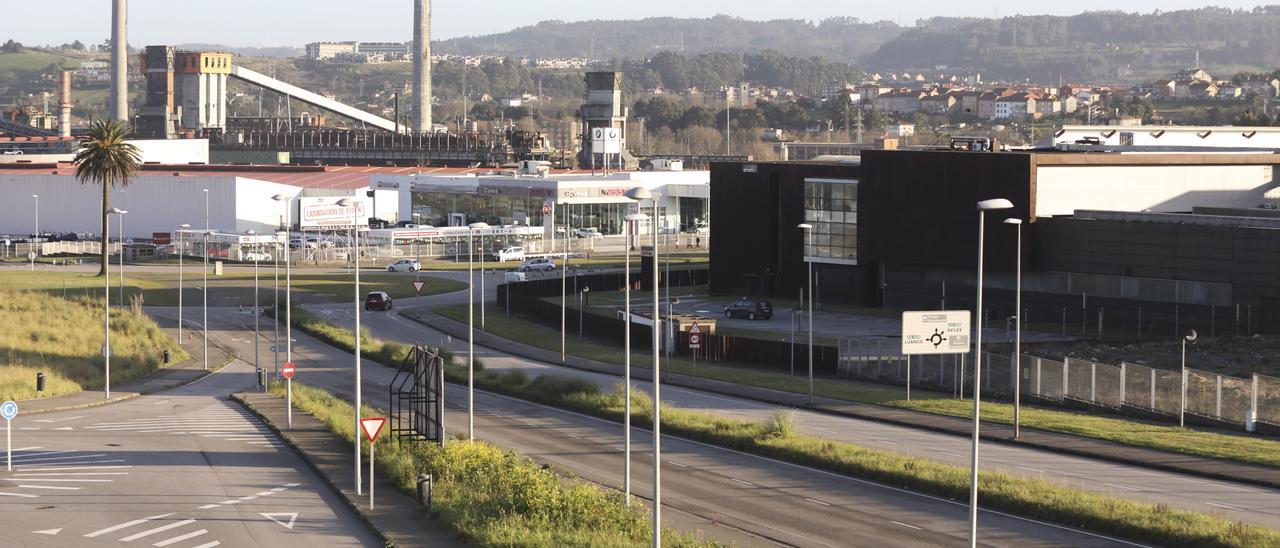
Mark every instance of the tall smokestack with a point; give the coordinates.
(64, 104)
(119, 102)
(422, 65)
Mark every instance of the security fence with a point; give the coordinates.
(1211, 399)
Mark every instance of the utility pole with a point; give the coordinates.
(858, 126)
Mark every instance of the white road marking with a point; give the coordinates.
(27, 448)
(41, 459)
(160, 402)
(250, 497)
(230, 502)
(61, 420)
(951, 454)
(50, 487)
(79, 480)
(181, 538)
(209, 545)
(1222, 506)
(42, 454)
(64, 429)
(28, 428)
(58, 466)
(20, 495)
(208, 506)
(744, 482)
(677, 464)
(905, 525)
(291, 515)
(816, 501)
(1037, 470)
(1121, 486)
(72, 474)
(101, 532)
(48, 531)
(888, 442)
(159, 529)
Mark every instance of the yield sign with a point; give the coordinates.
(279, 518)
(372, 427)
(287, 370)
(418, 285)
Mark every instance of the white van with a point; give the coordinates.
(511, 254)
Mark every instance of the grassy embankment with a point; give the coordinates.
(777, 439)
(62, 338)
(495, 497)
(1221, 445)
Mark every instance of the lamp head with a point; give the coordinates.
(1191, 335)
(478, 226)
(184, 226)
(1013, 221)
(994, 203)
(804, 226)
(251, 232)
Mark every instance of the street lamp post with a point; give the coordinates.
(275, 301)
(471, 330)
(632, 221)
(106, 319)
(808, 237)
(204, 289)
(355, 234)
(37, 249)
(1017, 341)
(121, 219)
(288, 279)
(1182, 407)
(657, 386)
(417, 251)
(983, 207)
(181, 228)
(257, 332)
(564, 280)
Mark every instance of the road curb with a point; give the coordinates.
(314, 466)
(1065, 450)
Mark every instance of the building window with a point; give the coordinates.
(831, 206)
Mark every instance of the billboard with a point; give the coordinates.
(326, 213)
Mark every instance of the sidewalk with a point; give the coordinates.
(175, 375)
(958, 426)
(397, 517)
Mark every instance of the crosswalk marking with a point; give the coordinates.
(209, 545)
(159, 529)
(126, 524)
(181, 538)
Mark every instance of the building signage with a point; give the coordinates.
(325, 212)
(613, 191)
(606, 140)
(935, 332)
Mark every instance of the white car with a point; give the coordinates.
(404, 265)
(540, 264)
(589, 232)
(511, 254)
(260, 256)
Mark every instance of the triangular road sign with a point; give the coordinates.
(418, 285)
(279, 518)
(372, 427)
(695, 329)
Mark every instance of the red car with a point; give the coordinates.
(377, 300)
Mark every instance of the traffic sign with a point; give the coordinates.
(935, 332)
(372, 427)
(8, 410)
(287, 370)
(418, 285)
(695, 336)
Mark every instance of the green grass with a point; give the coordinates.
(30, 60)
(62, 338)
(1220, 445)
(496, 497)
(230, 289)
(776, 438)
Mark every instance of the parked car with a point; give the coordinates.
(261, 256)
(511, 254)
(539, 264)
(588, 232)
(750, 309)
(377, 300)
(404, 265)
(513, 277)
(701, 229)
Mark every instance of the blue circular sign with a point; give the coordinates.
(8, 410)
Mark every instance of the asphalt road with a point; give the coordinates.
(184, 469)
(725, 495)
(1235, 501)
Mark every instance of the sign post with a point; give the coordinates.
(287, 371)
(372, 427)
(695, 342)
(936, 332)
(9, 410)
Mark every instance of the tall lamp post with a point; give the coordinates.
(564, 279)
(106, 318)
(281, 236)
(632, 221)
(983, 207)
(355, 234)
(1017, 330)
(417, 251)
(204, 288)
(808, 238)
(1182, 407)
(654, 197)
(471, 330)
(181, 228)
(288, 278)
(257, 333)
(37, 249)
(121, 219)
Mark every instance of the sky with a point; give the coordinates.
(296, 22)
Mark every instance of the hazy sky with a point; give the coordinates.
(296, 22)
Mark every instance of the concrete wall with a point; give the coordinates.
(173, 151)
(1060, 190)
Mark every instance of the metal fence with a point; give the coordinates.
(1211, 398)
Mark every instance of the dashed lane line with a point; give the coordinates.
(159, 529)
(126, 524)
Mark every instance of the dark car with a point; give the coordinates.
(377, 300)
(750, 309)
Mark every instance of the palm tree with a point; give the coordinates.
(106, 159)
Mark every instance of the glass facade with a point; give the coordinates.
(435, 209)
(831, 206)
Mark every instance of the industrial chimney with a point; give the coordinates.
(64, 104)
(422, 65)
(119, 101)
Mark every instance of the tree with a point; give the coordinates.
(106, 159)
